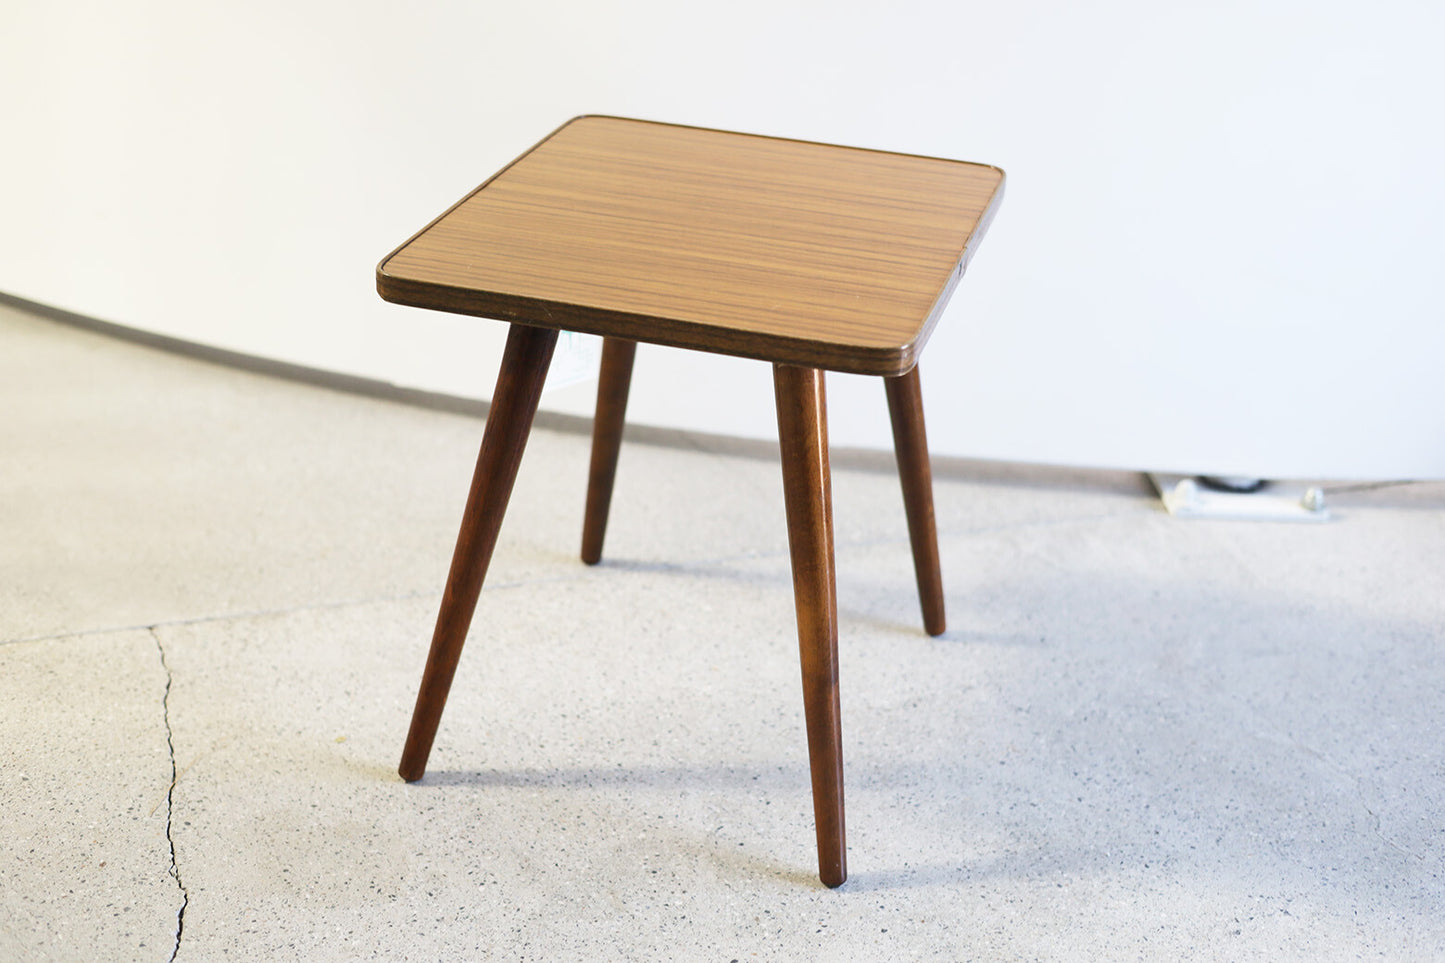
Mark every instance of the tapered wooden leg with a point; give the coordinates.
(509, 421)
(910, 443)
(612, 384)
(807, 490)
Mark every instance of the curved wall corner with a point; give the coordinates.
(1218, 253)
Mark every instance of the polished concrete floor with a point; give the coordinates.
(1141, 737)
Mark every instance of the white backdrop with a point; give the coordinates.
(1220, 250)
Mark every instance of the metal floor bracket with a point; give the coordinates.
(1185, 497)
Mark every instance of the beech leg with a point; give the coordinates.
(509, 421)
(910, 444)
(807, 491)
(613, 381)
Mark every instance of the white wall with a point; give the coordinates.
(1219, 250)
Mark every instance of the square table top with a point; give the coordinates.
(788, 251)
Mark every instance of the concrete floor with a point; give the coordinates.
(1141, 738)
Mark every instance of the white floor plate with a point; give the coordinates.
(1185, 497)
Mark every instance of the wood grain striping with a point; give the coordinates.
(783, 250)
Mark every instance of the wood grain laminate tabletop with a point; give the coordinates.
(787, 251)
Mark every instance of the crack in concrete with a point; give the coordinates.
(1379, 827)
(175, 869)
(224, 617)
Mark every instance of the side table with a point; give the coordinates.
(809, 256)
